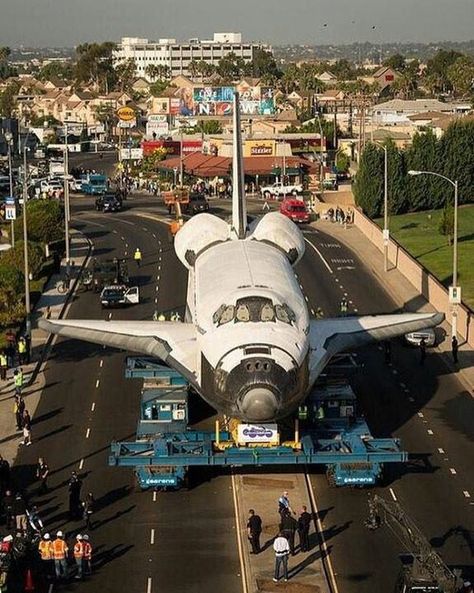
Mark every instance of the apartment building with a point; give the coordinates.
(177, 56)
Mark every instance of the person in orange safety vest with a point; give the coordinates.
(87, 554)
(60, 550)
(45, 549)
(79, 555)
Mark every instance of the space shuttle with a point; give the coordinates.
(247, 344)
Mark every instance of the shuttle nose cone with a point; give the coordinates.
(259, 405)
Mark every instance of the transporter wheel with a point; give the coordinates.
(331, 477)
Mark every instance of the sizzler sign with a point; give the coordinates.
(125, 113)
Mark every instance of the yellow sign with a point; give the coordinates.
(125, 113)
(259, 148)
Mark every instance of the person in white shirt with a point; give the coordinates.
(282, 551)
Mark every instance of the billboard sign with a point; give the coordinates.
(125, 113)
(131, 154)
(259, 148)
(217, 101)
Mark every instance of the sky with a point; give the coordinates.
(66, 23)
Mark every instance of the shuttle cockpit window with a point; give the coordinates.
(224, 314)
(285, 314)
(253, 309)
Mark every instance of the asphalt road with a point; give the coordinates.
(143, 542)
(87, 403)
(428, 408)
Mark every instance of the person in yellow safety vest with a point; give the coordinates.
(344, 306)
(18, 380)
(3, 366)
(320, 414)
(87, 554)
(45, 549)
(137, 256)
(60, 551)
(79, 555)
(22, 350)
(303, 413)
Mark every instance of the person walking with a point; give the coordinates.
(18, 380)
(87, 554)
(21, 348)
(18, 409)
(7, 504)
(254, 530)
(42, 472)
(284, 503)
(304, 522)
(78, 555)
(45, 549)
(422, 351)
(282, 551)
(19, 512)
(4, 474)
(88, 510)
(454, 349)
(3, 365)
(137, 256)
(60, 551)
(288, 527)
(26, 421)
(75, 485)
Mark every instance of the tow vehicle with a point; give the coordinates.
(104, 273)
(109, 202)
(177, 195)
(119, 295)
(328, 431)
(295, 210)
(423, 570)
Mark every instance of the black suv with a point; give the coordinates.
(109, 202)
(197, 203)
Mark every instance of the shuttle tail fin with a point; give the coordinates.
(239, 205)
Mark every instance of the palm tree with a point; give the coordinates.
(193, 68)
(152, 71)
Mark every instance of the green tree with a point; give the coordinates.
(210, 127)
(105, 114)
(193, 68)
(8, 100)
(437, 69)
(205, 70)
(368, 186)
(62, 70)
(422, 155)
(397, 179)
(343, 162)
(11, 294)
(396, 62)
(264, 64)
(157, 88)
(461, 75)
(44, 220)
(446, 223)
(456, 155)
(126, 74)
(95, 65)
(14, 257)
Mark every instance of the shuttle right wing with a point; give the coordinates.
(330, 336)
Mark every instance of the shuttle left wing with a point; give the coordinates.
(330, 336)
(172, 342)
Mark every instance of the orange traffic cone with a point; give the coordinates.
(29, 584)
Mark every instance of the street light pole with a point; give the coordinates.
(455, 184)
(385, 211)
(9, 138)
(67, 213)
(25, 244)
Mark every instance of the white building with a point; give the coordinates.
(177, 56)
(397, 111)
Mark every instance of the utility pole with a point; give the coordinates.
(25, 244)
(9, 139)
(181, 164)
(67, 213)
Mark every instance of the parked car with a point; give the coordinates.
(197, 203)
(277, 190)
(295, 210)
(75, 185)
(119, 295)
(414, 338)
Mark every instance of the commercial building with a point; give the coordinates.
(177, 56)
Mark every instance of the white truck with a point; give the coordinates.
(277, 190)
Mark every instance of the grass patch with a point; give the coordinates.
(418, 233)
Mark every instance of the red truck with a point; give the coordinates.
(295, 210)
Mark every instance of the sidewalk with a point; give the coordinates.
(402, 292)
(40, 344)
(261, 493)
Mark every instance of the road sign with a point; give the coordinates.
(125, 113)
(9, 200)
(455, 295)
(10, 212)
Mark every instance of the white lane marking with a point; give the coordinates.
(156, 301)
(312, 312)
(154, 235)
(123, 238)
(88, 432)
(421, 415)
(393, 494)
(239, 536)
(126, 244)
(324, 547)
(93, 407)
(144, 229)
(148, 585)
(114, 231)
(345, 294)
(430, 432)
(320, 255)
(125, 253)
(402, 385)
(351, 303)
(411, 399)
(305, 298)
(156, 288)
(81, 465)
(453, 471)
(97, 383)
(154, 496)
(101, 363)
(466, 493)
(394, 372)
(301, 286)
(440, 450)
(51, 586)
(110, 315)
(152, 537)
(356, 310)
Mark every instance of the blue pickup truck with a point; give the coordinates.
(94, 184)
